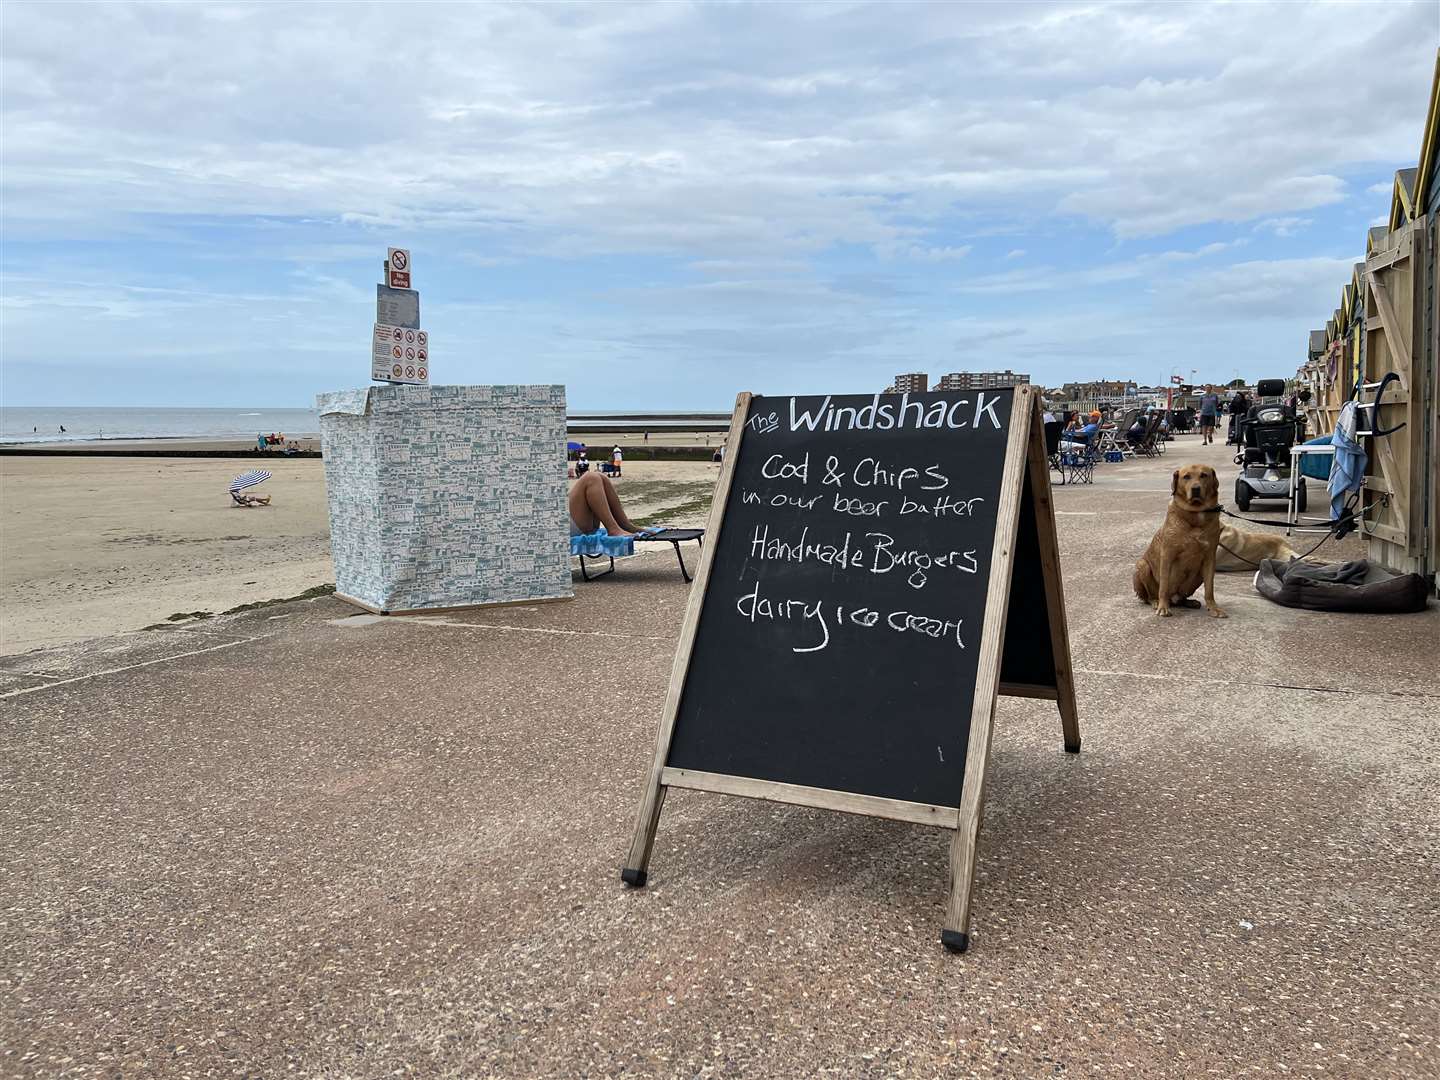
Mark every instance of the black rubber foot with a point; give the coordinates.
(635, 878)
(955, 942)
(1072, 749)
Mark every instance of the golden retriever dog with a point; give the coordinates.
(1182, 554)
(1241, 549)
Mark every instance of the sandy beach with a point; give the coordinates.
(93, 546)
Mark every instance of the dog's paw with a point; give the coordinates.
(1164, 613)
(1216, 613)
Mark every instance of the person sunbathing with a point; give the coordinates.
(593, 503)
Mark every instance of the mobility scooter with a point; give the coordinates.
(1267, 433)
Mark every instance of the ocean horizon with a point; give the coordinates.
(42, 424)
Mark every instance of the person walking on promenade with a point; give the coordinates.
(1209, 411)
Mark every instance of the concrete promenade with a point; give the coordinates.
(303, 842)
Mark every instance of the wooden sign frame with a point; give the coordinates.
(1024, 450)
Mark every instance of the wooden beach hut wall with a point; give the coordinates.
(1335, 383)
(1427, 337)
(1399, 348)
(1312, 377)
(1383, 343)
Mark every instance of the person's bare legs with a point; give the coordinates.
(593, 502)
(614, 501)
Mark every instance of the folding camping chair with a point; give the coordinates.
(673, 537)
(1150, 444)
(1077, 465)
(1052, 447)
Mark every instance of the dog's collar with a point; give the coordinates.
(1217, 509)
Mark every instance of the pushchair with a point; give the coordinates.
(1267, 432)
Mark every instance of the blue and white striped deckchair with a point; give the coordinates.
(248, 480)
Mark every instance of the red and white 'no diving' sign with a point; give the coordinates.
(398, 262)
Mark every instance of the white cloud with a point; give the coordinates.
(1283, 226)
(1040, 278)
(787, 187)
(921, 253)
(1286, 289)
(612, 128)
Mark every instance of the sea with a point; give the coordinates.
(42, 424)
(27, 424)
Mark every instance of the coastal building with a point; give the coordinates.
(1099, 388)
(916, 382)
(981, 380)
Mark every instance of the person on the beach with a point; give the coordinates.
(616, 460)
(593, 503)
(62, 429)
(1135, 433)
(1077, 436)
(1209, 410)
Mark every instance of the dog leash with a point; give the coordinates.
(1340, 528)
(1242, 558)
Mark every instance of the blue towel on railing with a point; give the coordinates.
(602, 543)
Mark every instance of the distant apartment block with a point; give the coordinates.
(917, 382)
(981, 380)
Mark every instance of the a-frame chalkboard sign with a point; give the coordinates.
(879, 568)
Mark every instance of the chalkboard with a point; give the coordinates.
(841, 630)
(878, 568)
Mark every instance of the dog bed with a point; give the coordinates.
(1358, 585)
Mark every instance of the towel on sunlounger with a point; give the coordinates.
(601, 542)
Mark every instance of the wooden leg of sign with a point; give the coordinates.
(956, 934)
(1054, 590)
(637, 862)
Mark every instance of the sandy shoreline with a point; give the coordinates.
(118, 446)
(96, 545)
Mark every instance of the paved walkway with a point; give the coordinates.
(302, 842)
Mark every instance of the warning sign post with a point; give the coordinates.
(400, 350)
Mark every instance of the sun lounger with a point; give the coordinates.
(673, 537)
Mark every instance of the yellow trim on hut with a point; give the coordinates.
(1430, 144)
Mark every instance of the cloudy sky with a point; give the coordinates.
(662, 204)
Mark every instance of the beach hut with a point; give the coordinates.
(1381, 347)
(1398, 350)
